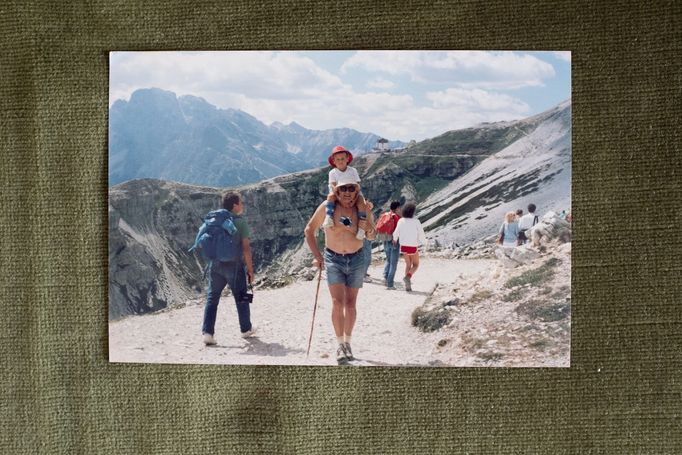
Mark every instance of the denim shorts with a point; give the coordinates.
(346, 269)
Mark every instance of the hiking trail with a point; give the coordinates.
(383, 333)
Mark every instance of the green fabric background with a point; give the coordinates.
(623, 392)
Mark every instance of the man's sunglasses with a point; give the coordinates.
(347, 188)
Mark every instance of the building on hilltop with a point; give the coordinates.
(381, 146)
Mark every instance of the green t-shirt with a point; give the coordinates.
(243, 231)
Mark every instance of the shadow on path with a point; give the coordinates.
(398, 287)
(420, 293)
(257, 347)
(223, 346)
(358, 362)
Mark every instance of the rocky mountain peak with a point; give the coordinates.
(186, 139)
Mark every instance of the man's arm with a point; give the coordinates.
(396, 232)
(310, 230)
(422, 235)
(368, 224)
(248, 260)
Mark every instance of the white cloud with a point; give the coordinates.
(478, 100)
(449, 90)
(563, 55)
(360, 111)
(501, 70)
(381, 83)
(257, 74)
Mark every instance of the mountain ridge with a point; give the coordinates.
(157, 134)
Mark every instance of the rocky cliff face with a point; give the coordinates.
(462, 195)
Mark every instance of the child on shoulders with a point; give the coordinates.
(339, 159)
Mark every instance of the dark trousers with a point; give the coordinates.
(223, 274)
(392, 256)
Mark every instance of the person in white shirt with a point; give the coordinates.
(526, 222)
(410, 233)
(339, 160)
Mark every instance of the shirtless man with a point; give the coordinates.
(343, 259)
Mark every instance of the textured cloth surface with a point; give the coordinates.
(623, 391)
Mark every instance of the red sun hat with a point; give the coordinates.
(339, 149)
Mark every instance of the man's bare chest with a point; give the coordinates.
(346, 219)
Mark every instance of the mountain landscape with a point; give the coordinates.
(533, 167)
(463, 181)
(185, 139)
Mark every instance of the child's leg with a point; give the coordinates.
(329, 218)
(415, 263)
(408, 267)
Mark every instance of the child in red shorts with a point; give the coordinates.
(410, 233)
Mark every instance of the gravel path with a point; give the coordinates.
(383, 333)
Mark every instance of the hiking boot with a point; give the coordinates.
(390, 288)
(367, 279)
(361, 234)
(209, 340)
(408, 283)
(349, 353)
(249, 333)
(341, 356)
(328, 222)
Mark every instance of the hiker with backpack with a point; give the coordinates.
(339, 160)
(410, 233)
(223, 240)
(386, 225)
(342, 257)
(526, 222)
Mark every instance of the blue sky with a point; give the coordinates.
(396, 94)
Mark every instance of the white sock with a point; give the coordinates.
(340, 339)
(347, 339)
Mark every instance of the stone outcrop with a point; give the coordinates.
(505, 317)
(551, 230)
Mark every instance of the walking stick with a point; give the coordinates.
(312, 324)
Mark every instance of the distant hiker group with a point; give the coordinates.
(516, 227)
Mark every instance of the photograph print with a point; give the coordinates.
(353, 208)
